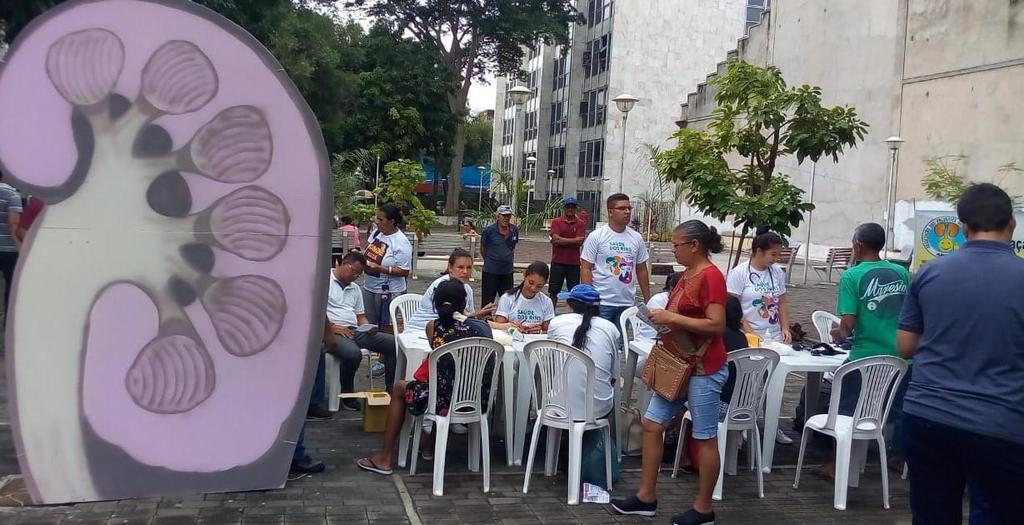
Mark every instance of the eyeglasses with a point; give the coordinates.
(678, 244)
(623, 208)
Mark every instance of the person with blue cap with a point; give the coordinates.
(567, 235)
(498, 248)
(585, 330)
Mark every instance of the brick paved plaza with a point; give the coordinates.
(345, 495)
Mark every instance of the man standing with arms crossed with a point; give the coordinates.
(498, 248)
(567, 235)
(614, 258)
(963, 414)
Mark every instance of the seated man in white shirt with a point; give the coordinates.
(346, 314)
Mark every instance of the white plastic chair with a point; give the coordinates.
(753, 368)
(551, 359)
(332, 376)
(406, 305)
(471, 357)
(879, 376)
(823, 322)
(626, 320)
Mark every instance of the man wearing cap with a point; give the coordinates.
(498, 246)
(567, 235)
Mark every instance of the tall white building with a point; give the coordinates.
(655, 50)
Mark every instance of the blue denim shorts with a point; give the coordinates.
(702, 399)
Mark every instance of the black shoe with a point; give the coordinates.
(317, 412)
(307, 465)
(692, 517)
(635, 507)
(351, 404)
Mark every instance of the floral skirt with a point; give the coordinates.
(417, 393)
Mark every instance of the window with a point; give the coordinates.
(559, 117)
(506, 163)
(592, 107)
(591, 160)
(555, 188)
(533, 53)
(598, 11)
(531, 80)
(754, 10)
(556, 162)
(595, 55)
(560, 72)
(508, 127)
(530, 125)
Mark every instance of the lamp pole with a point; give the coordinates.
(531, 165)
(894, 142)
(519, 95)
(480, 198)
(807, 241)
(625, 103)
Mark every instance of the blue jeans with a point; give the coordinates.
(612, 313)
(319, 384)
(702, 399)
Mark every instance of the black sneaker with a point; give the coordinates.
(635, 507)
(317, 412)
(351, 404)
(303, 468)
(692, 517)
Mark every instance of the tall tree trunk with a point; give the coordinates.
(457, 104)
(739, 249)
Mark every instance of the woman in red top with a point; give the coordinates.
(697, 307)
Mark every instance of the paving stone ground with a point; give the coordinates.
(345, 495)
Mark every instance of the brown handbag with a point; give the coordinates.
(668, 373)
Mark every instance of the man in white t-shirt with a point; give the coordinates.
(614, 260)
(351, 331)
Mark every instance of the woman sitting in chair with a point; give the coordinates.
(449, 301)
(525, 307)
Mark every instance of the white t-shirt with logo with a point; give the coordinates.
(602, 344)
(344, 303)
(518, 309)
(426, 313)
(644, 330)
(388, 250)
(759, 292)
(615, 257)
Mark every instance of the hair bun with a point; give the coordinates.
(714, 241)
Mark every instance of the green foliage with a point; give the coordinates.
(479, 132)
(505, 191)
(349, 180)
(943, 180)
(399, 188)
(759, 118)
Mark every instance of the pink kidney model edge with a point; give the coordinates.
(168, 303)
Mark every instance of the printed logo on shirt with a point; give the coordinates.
(621, 267)
(375, 253)
(883, 289)
(768, 308)
(529, 316)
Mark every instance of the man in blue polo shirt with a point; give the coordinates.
(498, 248)
(963, 323)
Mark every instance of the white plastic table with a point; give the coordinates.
(793, 361)
(516, 401)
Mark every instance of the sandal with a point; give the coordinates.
(427, 455)
(368, 465)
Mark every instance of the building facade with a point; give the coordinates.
(945, 75)
(656, 50)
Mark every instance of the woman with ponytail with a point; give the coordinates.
(524, 307)
(697, 308)
(587, 331)
(449, 300)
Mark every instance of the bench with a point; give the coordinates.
(340, 242)
(662, 258)
(838, 260)
(786, 259)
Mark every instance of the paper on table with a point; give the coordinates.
(595, 494)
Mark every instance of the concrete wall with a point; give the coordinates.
(946, 75)
(661, 49)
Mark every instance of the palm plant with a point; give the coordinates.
(506, 191)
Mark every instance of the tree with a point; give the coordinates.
(473, 37)
(479, 131)
(943, 180)
(399, 188)
(759, 118)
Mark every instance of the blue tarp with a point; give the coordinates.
(471, 177)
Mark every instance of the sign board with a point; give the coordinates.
(938, 233)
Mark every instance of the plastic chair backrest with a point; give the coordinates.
(823, 322)
(753, 368)
(626, 320)
(406, 304)
(551, 359)
(879, 376)
(471, 355)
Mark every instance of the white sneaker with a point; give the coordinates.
(460, 429)
(782, 438)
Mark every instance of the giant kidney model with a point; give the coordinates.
(167, 304)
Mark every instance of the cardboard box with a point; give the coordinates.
(375, 409)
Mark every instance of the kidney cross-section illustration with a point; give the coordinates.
(168, 302)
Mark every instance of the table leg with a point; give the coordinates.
(773, 405)
(523, 395)
(508, 397)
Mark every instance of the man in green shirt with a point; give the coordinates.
(870, 300)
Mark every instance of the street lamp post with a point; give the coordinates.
(625, 103)
(807, 242)
(894, 143)
(480, 197)
(519, 95)
(531, 165)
